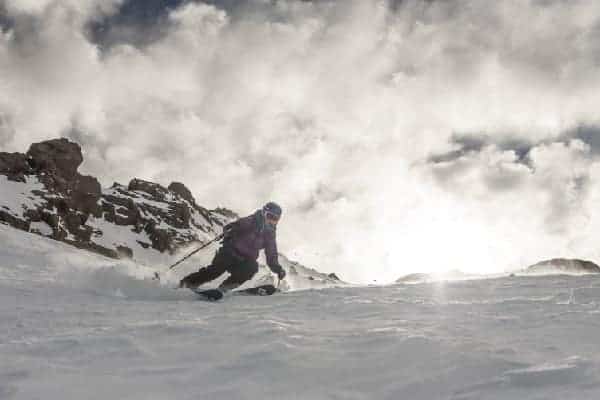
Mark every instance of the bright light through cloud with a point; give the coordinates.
(400, 136)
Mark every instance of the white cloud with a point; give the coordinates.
(333, 108)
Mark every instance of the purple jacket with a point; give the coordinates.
(248, 235)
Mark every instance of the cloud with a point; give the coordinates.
(466, 144)
(587, 133)
(399, 136)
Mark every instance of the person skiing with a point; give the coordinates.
(242, 241)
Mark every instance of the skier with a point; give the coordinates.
(242, 241)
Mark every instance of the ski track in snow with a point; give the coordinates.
(76, 325)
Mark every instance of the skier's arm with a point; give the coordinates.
(272, 255)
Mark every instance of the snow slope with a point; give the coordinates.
(74, 325)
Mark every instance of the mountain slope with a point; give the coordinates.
(43, 193)
(74, 324)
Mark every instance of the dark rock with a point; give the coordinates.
(13, 164)
(154, 189)
(96, 248)
(60, 234)
(51, 219)
(73, 221)
(33, 215)
(179, 216)
(58, 156)
(563, 265)
(14, 221)
(180, 189)
(334, 276)
(413, 278)
(161, 239)
(124, 252)
(451, 275)
(86, 194)
(84, 234)
(17, 177)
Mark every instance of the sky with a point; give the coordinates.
(399, 136)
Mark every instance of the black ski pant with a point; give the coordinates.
(225, 259)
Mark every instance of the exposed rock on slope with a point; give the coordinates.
(563, 265)
(301, 277)
(43, 193)
(453, 275)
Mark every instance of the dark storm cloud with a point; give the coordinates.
(138, 23)
(589, 134)
(469, 144)
(141, 22)
(470, 148)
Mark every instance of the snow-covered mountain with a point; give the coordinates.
(453, 275)
(563, 266)
(555, 266)
(43, 193)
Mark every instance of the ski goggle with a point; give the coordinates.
(272, 217)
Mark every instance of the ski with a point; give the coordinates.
(263, 290)
(209, 294)
(217, 294)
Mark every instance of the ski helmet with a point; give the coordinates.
(273, 209)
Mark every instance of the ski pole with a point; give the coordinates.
(195, 251)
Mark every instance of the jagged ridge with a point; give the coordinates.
(46, 195)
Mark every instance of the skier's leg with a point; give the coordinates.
(213, 271)
(240, 271)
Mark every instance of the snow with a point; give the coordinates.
(121, 235)
(77, 325)
(41, 227)
(17, 197)
(552, 270)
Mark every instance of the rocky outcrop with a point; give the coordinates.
(563, 265)
(302, 277)
(333, 276)
(14, 166)
(452, 275)
(50, 197)
(60, 197)
(414, 278)
(55, 162)
(180, 189)
(59, 157)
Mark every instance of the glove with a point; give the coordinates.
(280, 273)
